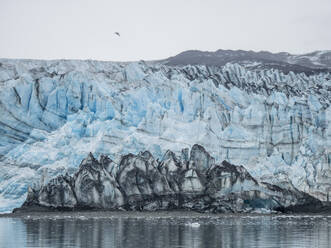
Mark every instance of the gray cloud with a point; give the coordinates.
(151, 29)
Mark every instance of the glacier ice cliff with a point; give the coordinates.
(140, 182)
(53, 113)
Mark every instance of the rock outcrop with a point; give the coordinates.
(143, 183)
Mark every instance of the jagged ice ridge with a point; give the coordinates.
(192, 182)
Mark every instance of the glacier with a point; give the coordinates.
(53, 113)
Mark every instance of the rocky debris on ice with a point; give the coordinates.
(143, 183)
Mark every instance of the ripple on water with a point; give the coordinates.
(170, 230)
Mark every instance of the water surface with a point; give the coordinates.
(165, 230)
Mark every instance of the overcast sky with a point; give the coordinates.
(153, 29)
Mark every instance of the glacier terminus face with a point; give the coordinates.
(53, 113)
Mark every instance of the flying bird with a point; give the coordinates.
(117, 33)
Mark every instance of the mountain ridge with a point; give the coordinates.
(309, 63)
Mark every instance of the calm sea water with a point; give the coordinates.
(84, 230)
